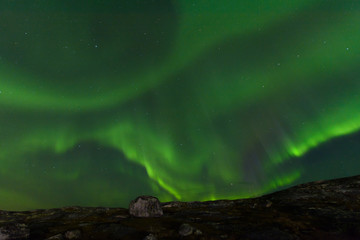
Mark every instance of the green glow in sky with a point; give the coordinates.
(102, 101)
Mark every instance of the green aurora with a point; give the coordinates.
(102, 101)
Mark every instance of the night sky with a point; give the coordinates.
(105, 100)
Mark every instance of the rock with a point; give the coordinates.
(56, 237)
(145, 206)
(150, 237)
(14, 231)
(73, 234)
(186, 230)
(171, 204)
(268, 203)
(3, 236)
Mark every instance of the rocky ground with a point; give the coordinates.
(317, 210)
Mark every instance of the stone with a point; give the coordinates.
(145, 206)
(186, 230)
(268, 203)
(73, 234)
(150, 237)
(56, 237)
(3, 236)
(14, 231)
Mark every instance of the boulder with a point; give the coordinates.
(186, 230)
(145, 206)
(150, 237)
(73, 234)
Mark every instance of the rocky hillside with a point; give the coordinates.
(316, 210)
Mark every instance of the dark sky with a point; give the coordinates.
(102, 101)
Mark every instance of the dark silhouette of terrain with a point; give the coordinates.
(317, 210)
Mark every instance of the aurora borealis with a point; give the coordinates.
(102, 101)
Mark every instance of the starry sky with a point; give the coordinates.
(103, 101)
